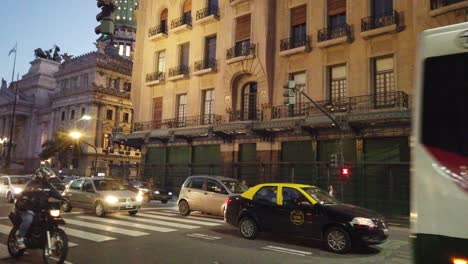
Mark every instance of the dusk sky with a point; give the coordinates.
(68, 24)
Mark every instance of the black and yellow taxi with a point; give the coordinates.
(307, 211)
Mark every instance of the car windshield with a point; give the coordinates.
(19, 180)
(109, 185)
(320, 195)
(235, 186)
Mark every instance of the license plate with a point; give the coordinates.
(129, 206)
(385, 231)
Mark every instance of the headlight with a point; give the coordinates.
(170, 193)
(156, 192)
(17, 190)
(363, 221)
(54, 213)
(111, 199)
(139, 198)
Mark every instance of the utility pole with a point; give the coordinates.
(12, 126)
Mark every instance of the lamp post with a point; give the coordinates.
(77, 135)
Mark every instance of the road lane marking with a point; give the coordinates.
(157, 222)
(124, 223)
(3, 217)
(87, 235)
(203, 236)
(107, 228)
(287, 250)
(190, 217)
(6, 230)
(188, 221)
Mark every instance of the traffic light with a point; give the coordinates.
(289, 94)
(106, 17)
(334, 160)
(345, 172)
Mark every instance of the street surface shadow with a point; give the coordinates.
(360, 251)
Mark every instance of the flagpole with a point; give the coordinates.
(12, 126)
(14, 63)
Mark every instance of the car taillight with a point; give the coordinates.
(228, 201)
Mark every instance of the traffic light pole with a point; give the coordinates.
(322, 110)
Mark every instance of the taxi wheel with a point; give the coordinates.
(248, 228)
(66, 206)
(337, 240)
(99, 209)
(184, 208)
(132, 212)
(164, 201)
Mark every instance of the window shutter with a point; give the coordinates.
(164, 15)
(187, 6)
(157, 109)
(336, 7)
(298, 15)
(243, 28)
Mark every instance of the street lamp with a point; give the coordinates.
(77, 135)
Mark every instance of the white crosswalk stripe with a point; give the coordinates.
(106, 228)
(87, 235)
(188, 221)
(189, 217)
(124, 223)
(157, 222)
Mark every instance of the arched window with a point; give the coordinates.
(249, 101)
(187, 11)
(163, 20)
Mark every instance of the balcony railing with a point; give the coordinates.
(245, 115)
(241, 49)
(158, 29)
(291, 43)
(382, 20)
(183, 20)
(188, 121)
(208, 11)
(205, 64)
(179, 70)
(441, 3)
(334, 32)
(155, 76)
(389, 100)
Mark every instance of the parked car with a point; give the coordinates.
(151, 192)
(207, 194)
(307, 211)
(57, 183)
(12, 185)
(103, 195)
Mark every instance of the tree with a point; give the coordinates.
(61, 145)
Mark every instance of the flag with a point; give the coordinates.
(13, 49)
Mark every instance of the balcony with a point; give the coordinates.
(236, 2)
(157, 32)
(245, 115)
(439, 7)
(204, 66)
(178, 72)
(327, 37)
(356, 104)
(207, 15)
(385, 23)
(290, 46)
(155, 78)
(241, 51)
(181, 24)
(189, 121)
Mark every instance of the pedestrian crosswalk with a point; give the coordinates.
(82, 228)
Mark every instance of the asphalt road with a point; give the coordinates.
(159, 235)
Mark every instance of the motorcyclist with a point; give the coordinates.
(34, 196)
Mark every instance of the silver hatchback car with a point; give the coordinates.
(207, 194)
(103, 195)
(12, 185)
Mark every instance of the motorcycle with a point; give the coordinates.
(44, 233)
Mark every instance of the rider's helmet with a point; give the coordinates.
(43, 173)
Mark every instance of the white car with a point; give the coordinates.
(12, 185)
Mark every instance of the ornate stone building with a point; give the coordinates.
(209, 76)
(54, 96)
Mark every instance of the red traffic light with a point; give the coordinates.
(345, 172)
(72, 147)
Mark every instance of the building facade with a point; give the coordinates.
(53, 98)
(209, 77)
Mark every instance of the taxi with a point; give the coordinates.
(306, 211)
